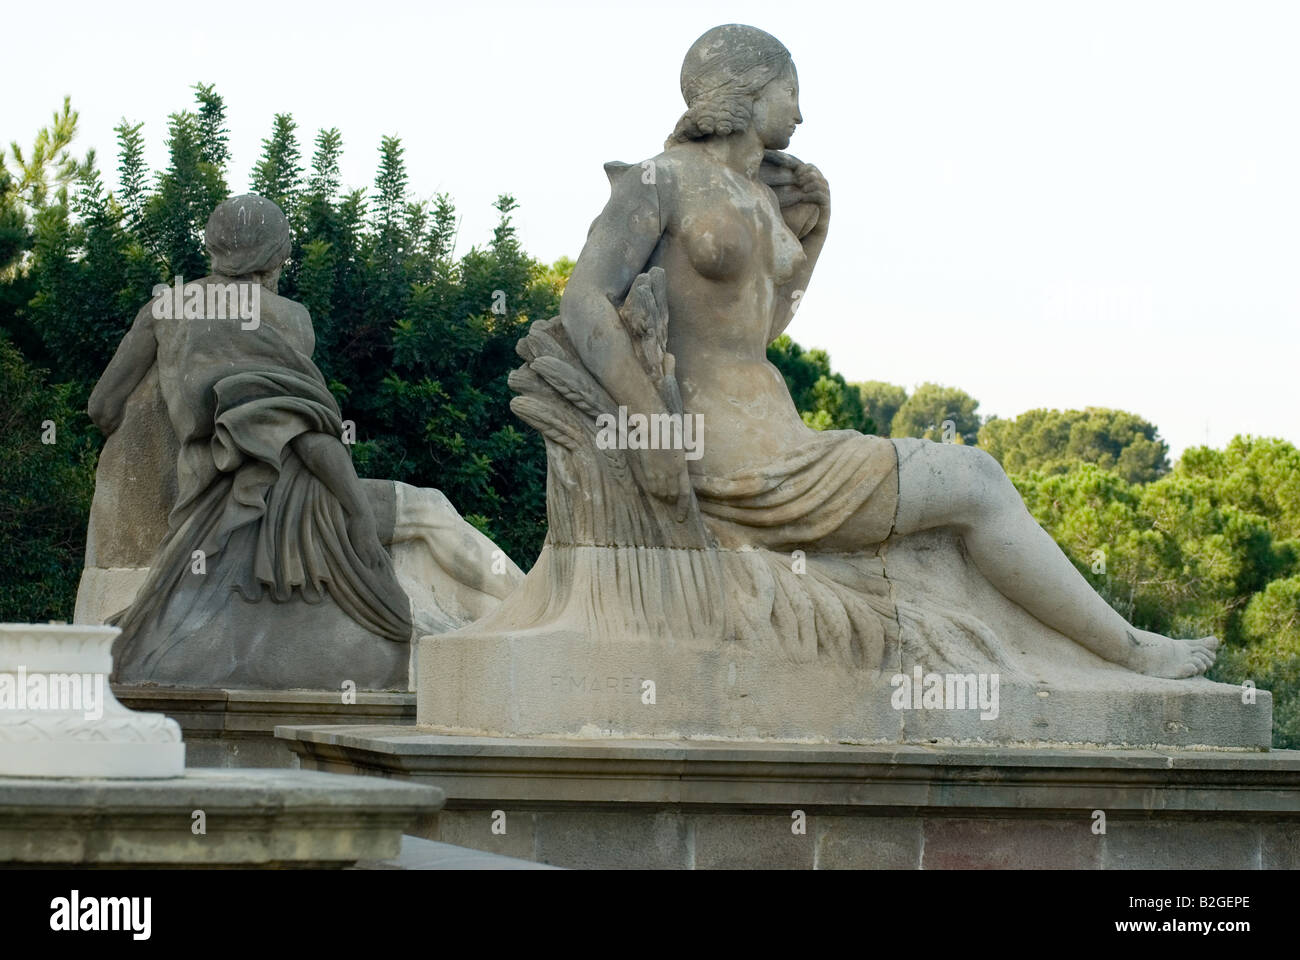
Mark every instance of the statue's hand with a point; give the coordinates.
(815, 189)
(365, 539)
(666, 477)
(801, 190)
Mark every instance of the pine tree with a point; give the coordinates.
(13, 222)
(51, 163)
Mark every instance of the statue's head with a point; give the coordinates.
(247, 236)
(735, 78)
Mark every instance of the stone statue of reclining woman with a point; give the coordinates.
(772, 536)
(272, 572)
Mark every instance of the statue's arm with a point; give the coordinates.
(797, 184)
(618, 248)
(309, 329)
(134, 356)
(789, 294)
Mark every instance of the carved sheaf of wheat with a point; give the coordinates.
(540, 344)
(575, 386)
(522, 379)
(542, 418)
(645, 317)
(559, 397)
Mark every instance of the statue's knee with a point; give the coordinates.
(989, 484)
(976, 461)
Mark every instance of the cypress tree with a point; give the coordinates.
(132, 174)
(278, 174)
(214, 136)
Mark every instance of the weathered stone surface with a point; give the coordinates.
(708, 803)
(598, 840)
(1012, 844)
(418, 854)
(545, 683)
(750, 842)
(104, 591)
(472, 828)
(128, 515)
(1279, 848)
(236, 728)
(253, 818)
(1183, 845)
(876, 843)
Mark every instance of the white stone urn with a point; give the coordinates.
(59, 718)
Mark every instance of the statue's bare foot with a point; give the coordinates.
(1158, 656)
(365, 540)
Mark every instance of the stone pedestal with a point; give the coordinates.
(248, 818)
(86, 782)
(567, 685)
(58, 715)
(570, 680)
(700, 804)
(236, 728)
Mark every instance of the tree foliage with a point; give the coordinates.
(880, 402)
(924, 413)
(47, 489)
(824, 398)
(1053, 441)
(1209, 548)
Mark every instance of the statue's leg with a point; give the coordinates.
(941, 484)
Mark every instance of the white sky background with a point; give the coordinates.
(1046, 204)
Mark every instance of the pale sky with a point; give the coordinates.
(1046, 204)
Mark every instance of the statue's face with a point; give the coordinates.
(776, 110)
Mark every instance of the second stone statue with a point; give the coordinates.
(272, 570)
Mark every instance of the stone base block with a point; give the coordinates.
(569, 685)
(236, 728)
(248, 818)
(104, 591)
(696, 804)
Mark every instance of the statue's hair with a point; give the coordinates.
(722, 74)
(246, 235)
